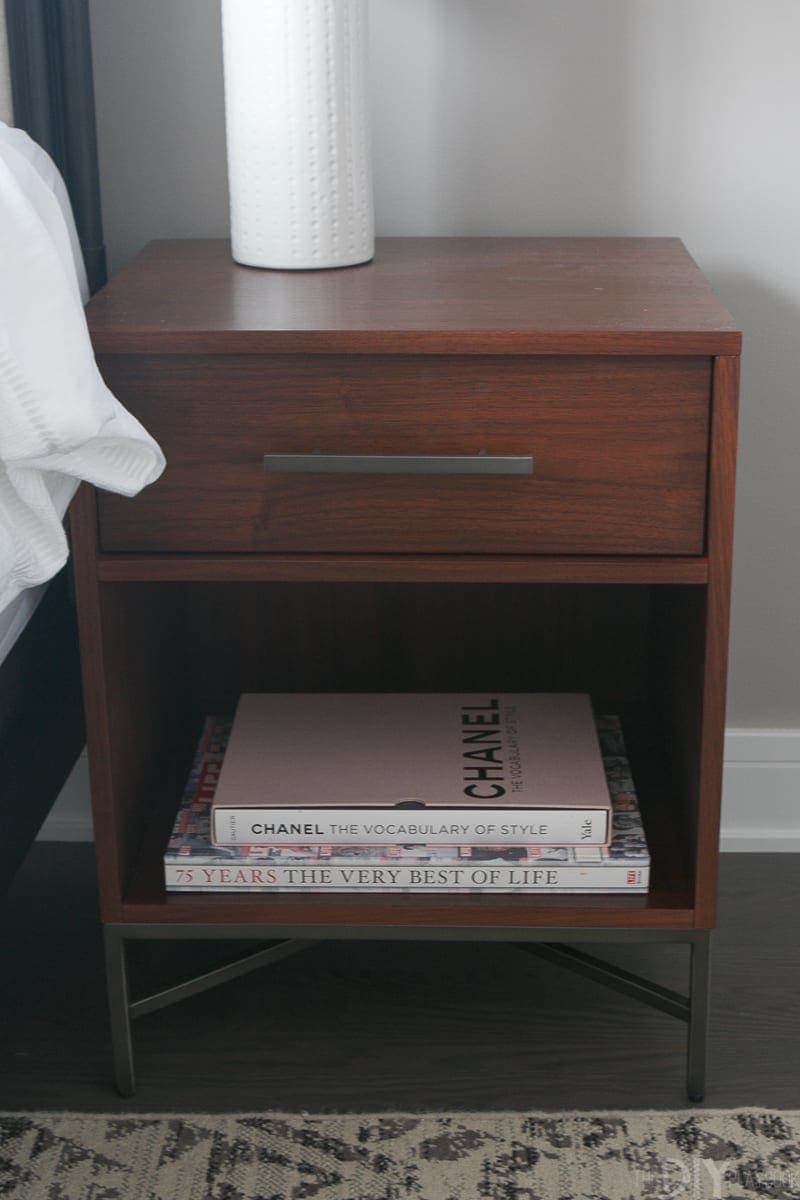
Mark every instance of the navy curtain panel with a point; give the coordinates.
(50, 59)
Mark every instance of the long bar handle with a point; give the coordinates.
(400, 464)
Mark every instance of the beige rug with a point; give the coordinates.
(687, 1155)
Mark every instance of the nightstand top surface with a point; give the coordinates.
(420, 295)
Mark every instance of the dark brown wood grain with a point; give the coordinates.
(95, 666)
(722, 483)
(415, 638)
(619, 449)
(677, 656)
(137, 711)
(690, 660)
(420, 295)
(398, 568)
(607, 572)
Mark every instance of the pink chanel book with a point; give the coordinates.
(420, 768)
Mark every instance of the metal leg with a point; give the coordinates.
(123, 1010)
(544, 942)
(693, 1009)
(644, 990)
(119, 1010)
(211, 979)
(699, 989)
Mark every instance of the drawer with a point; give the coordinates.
(619, 449)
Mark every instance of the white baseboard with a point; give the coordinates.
(760, 805)
(761, 793)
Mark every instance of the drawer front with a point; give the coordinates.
(619, 449)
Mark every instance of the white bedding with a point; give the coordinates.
(59, 423)
(15, 617)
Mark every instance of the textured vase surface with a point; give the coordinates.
(298, 132)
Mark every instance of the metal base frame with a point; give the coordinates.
(547, 943)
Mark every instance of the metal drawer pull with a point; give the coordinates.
(401, 464)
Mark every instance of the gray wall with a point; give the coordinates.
(543, 117)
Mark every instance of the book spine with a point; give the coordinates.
(432, 827)
(272, 877)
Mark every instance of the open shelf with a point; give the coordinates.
(189, 649)
(668, 904)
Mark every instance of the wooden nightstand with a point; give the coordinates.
(607, 362)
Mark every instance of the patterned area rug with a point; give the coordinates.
(457, 1156)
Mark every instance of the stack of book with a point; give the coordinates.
(409, 793)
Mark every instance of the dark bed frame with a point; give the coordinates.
(41, 706)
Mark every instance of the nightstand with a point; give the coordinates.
(470, 464)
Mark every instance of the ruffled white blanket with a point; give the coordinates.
(59, 423)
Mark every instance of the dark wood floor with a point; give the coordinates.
(394, 1026)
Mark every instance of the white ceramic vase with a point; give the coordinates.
(298, 132)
